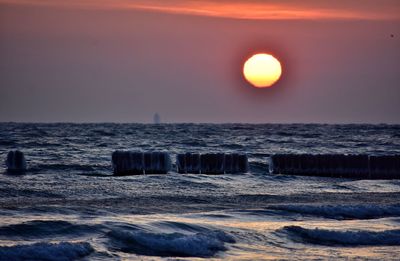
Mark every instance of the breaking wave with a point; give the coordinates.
(70, 167)
(203, 244)
(63, 251)
(39, 228)
(342, 238)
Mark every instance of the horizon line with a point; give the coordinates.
(205, 123)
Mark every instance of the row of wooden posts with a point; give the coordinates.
(128, 163)
(337, 165)
(328, 165)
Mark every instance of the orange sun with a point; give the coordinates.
(262, 70)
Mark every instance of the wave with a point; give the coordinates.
(194, 143)
(180, 226)
(310, 135)
(104, 133)
(342, 212)
(190, 183)
(36, 132)
(8, 192)
(233, 146)
(63, 251)
(42, 228)
(203, 244)
(342, 238)
(77, 167)
(216, 216)
(7, 142)
(259, 167)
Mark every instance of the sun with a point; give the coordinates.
(262, 70)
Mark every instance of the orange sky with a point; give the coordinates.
(244, 9)
(123, 61)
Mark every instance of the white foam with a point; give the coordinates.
(63, 251)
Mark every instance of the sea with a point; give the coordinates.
(69, 206)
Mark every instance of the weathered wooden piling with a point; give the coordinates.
(188, 163)
(212, 163)
(15, 161)
(386, 167)
(136, 163)
(336, 165)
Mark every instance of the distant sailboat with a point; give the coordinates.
(156, 119)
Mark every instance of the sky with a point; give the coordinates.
(125, 60)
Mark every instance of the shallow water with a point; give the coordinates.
(68, 205)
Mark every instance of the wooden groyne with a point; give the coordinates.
(136, 163)
(324, 165)
(212, 163)
(336, 165)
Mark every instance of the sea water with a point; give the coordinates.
(69, 206)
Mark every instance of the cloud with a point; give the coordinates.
(243, 9)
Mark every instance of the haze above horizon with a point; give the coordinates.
(122, 61)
